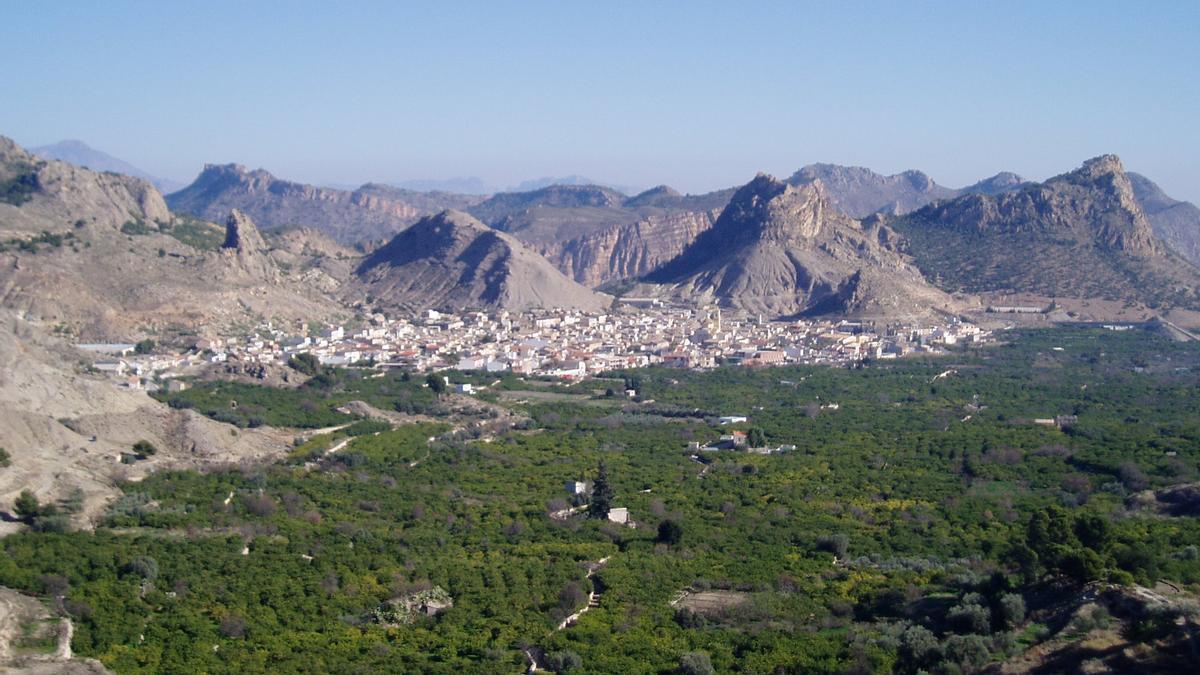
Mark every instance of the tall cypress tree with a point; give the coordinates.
(602, 495)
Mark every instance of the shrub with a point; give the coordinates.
(305, 363)
(143, 449)
(1011, 610)
(144, 567)
(561, 662)
(970, 618)
(696, 663)
(837, 544)
(670, 532)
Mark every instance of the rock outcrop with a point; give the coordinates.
(453, 261)
(369, 214)
(784, 251)
(1176, 223)
(1081, 234)
(38, 194)
(859, 192)
(628, 251)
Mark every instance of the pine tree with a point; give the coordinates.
(602, 495)
(26, 506)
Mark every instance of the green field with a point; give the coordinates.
(894, 537)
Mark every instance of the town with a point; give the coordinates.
(561, 344)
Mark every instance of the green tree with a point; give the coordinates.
(27, 507)
(696, 663)
(144, 347)
(756, 437)
(670, 532)
(1011, 610)
(144, 449)
(305, 363)
(5, 458)
(602, 495)
(437, 384)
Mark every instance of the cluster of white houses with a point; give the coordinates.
(563, 344)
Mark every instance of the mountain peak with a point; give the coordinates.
(453, 260)
(241, 235)
(1104, 164)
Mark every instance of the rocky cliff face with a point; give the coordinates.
(1080, 234)
(245, 246)
(1094, 204)
(859, 192)
(37, 193)
(1176, 223)
(115, 262)
(785, 251)
(627, 251)
(349, 217)
(453, 261)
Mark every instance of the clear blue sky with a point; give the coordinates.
(697, 95)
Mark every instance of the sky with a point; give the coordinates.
(696, 95)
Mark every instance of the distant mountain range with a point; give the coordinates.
(829, 239)
(81, 154)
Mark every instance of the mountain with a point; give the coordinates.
(452, 260)
(573, 179)
(501, 207)
(470, 185)
(1176, 223)
(81, 154)
(1080, 234)
(859, 192)
(784, 250)
(596, 235)
(371, 213)
(1005, 181)
(97, 257)
(100, 255)
(627, 250)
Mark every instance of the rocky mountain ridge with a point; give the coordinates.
(451, 260)
(370, 214)
(784, 250)
(1080, 234)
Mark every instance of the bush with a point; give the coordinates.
(689, 618)
(970, 618)
(696, 663)
(919, 646)
(5, 459)
(143, 449)
(143, 567)
(1011, 610)
(305, 363)
(968, 651)
(20, 188)
(26, 507)
(837, 544)
(561, 662)
(670, 532)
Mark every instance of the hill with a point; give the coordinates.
(1080, 234)
(370, 214)
(83, 155)
(452, 260)
(1176, 223)
(785, 250)
(858, 192)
